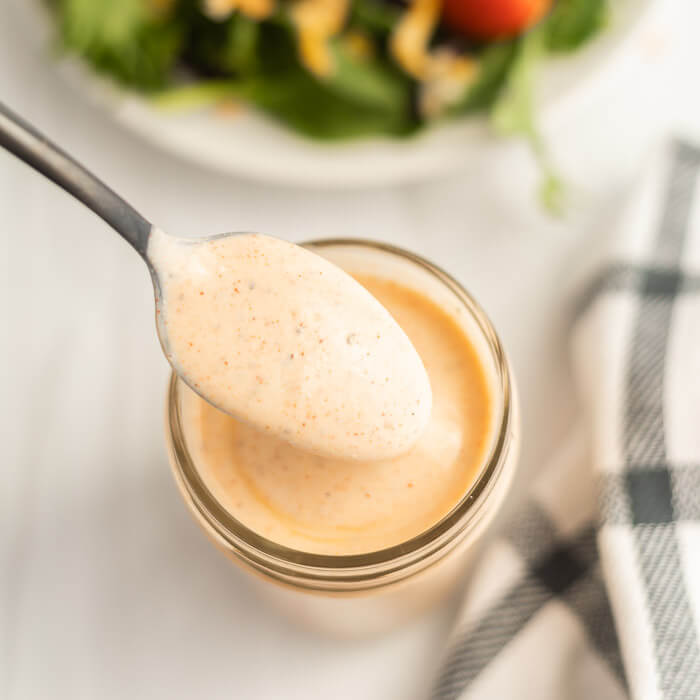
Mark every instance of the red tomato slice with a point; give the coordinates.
(493, 19)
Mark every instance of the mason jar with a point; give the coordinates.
(367, 593)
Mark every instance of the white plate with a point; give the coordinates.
(251, 145)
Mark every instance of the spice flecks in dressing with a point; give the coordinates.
(284, 340)
(332, 506)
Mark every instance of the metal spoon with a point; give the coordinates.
(337, 351)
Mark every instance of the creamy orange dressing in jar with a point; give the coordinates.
(332, 506)
(353, 548)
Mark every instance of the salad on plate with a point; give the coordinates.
(336, 69)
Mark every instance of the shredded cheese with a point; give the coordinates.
(409, 40)
(444, 74)
(316, 21)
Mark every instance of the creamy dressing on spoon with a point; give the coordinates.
(284, 340)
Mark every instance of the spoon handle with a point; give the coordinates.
(36, 150)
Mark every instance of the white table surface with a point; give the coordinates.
(109, 589)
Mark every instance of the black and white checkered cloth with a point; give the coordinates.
(593, 592)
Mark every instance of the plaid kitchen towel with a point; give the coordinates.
(593, 590)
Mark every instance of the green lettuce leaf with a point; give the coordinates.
(375, 16)
(573, 22)
(368, 81)
(309, 106)
(123, 38)
(513, 114)
(494, 65)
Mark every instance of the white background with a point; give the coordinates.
(109, 589)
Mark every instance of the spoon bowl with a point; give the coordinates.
(284, 340)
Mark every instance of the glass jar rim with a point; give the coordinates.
(331, 571)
